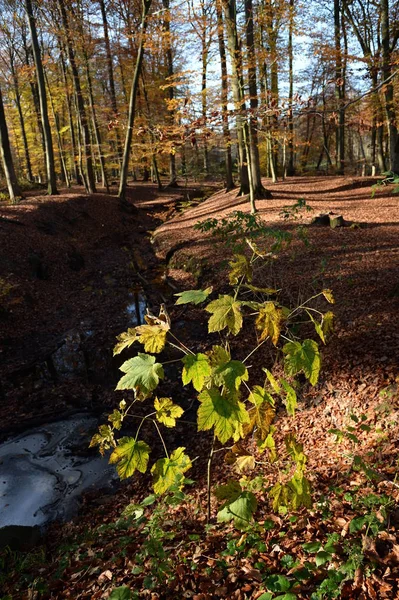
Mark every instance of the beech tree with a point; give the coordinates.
(8, 165)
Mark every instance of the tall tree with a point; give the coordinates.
(8, 165)
(41, 84)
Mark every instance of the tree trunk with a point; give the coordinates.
(238, 93)
(290, 165)
(132, 103)
(259, 190)
(84, 126)
(171, 90)
(393, 136)
(339, 90)
(12, 183)
(50, 170)
(224, 99)
(21, 119)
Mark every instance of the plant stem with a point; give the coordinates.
(162, 440)
(255, 349)
(208, 481)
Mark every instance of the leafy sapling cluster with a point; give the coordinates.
(231, 404)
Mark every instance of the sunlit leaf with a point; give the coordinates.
(167, 411)
(262, 414)
(104, 439)
(130, 455)
(231, 374)
(193, 296)
(229, 491)
(260, 290)
(116, 418)
(327, 323)
(225, 313)
(142, 372)
(269, 322)
(277, 583)
(301, 494)
(125, 340)
(196, 369)
(153, 337)
(225, 415)
(273, 381)
(121, 593)
(240, 510)
(168, 472)
(290, 399)
(328, 295)
(240, 268)
(218, 356)
(304, 358)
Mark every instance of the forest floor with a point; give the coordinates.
(68, 264)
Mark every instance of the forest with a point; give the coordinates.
(199, 284)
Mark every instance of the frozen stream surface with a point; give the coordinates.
(44, 471)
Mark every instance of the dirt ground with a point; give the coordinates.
(359, 263)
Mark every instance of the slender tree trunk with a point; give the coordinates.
(50, 169)
(339, 90)
(96, 128)
(57, 130)
(171, 91)
(259, 190)
(224, 99)
(290, 165)
(132, 103)
(21, 119)
(204, 53)
(12, 183)
(111, 80)
(74, 160)
(84, 126)
(238, 93)
(393, 136)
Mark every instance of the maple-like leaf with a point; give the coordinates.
(260, 290)
(262, 414)
(273, 381)
(229, 491)
(125, 340)
(141, 372)
(327, 323)
(328, 295)
(196, 369)
(193, 296)
(121, 593)
(240, 267)
(116, 418)
(225, 415)
(244, 461)
(104, 439)
(269, 322)
(241, 510)
(153, 337)
(130, 455)
(167, 411)
(225, 312)
(290, 400)
(303, 357)
(218, 356)
(230, 374)
(269, 444)
(168, 472)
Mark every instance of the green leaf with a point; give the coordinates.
(303, 357)
(269, 322)
(153, 337)
(130, 455)
(168, 472)
(240, 510)
(231, 374)
(240, 267)
(290, 400)
(288, 596)
(230, 491)
(322, 558)
(121, 593)
(167, 411)
(279, 495)
(328, 295)
(141, 372)
(218, 356)
(273, 381)
(267, 291)
(225, 313)
(312, 547)
(193, 296)
(357, 524)
(125, 340)
(266, 596)
(327, 323)
(196, 369)
(133, 510)
(226, 415)
(277, 583)
(300, 488)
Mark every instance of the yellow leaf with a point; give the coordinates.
(153, 337)
(167, 411)
(328, 295)
(269, 322)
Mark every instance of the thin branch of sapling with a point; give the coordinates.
(256, 348)
(160, 435)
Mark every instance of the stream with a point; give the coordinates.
(45, 469)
